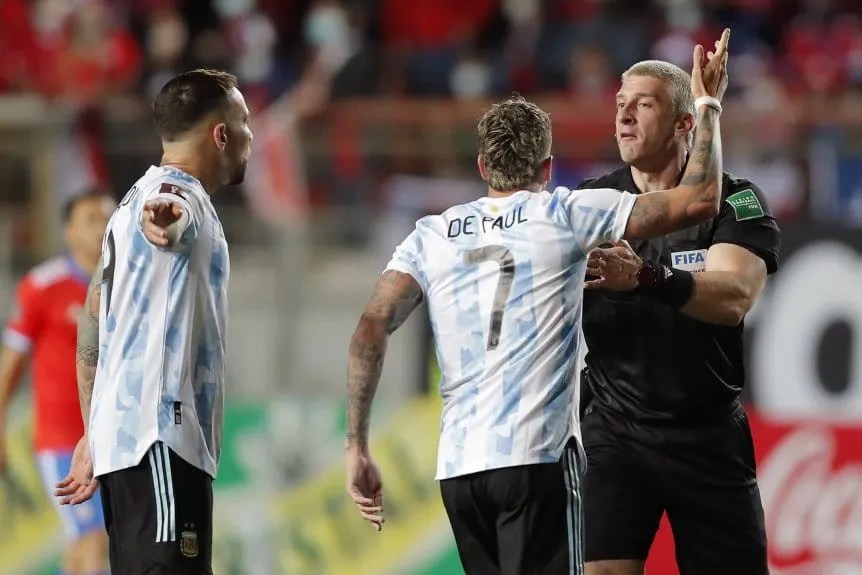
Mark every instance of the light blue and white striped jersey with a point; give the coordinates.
(503, 279)
(162, 330)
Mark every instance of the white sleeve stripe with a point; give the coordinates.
(16, 340)
(623, 213)
(405, 269)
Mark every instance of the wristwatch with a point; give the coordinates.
(649, 275)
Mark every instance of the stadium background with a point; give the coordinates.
(364, 118)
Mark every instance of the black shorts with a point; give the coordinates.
(519, 520)
(703, 476)
(158, 515)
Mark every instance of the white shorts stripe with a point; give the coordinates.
(157, 491)
(578, 515)
(573, 512)
(169, 482)
(164, 493)
(570, 518)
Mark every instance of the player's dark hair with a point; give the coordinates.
(96, 193)
(187, 98)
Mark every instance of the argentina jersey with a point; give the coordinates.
(162, 329)
(503, 279)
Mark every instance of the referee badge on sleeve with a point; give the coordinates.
(189, 544)
(745, 205)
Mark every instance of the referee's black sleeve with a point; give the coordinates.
(752, 227)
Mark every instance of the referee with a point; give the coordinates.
(663, 427)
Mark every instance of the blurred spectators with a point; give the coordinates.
(79, 53)
(83, 49)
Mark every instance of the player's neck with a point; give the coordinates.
(194, 169)
(187, 157)
(661, 177)
(492, 193)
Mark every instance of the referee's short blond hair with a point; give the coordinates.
(676, 80)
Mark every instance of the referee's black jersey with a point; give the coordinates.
(651, 362)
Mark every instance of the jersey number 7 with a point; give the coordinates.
(501, 255)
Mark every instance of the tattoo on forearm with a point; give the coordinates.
(366, 363)
(395, 297)
(649, 210)
(703, 160)
(87, 348)
(87, 355)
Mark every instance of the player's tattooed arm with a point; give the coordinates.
(87, 354)
(395, 296)
(696, 198)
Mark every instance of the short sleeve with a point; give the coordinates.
(25, 321)
(596, 216)
(174, 193)
(746, 220)
(406, 258)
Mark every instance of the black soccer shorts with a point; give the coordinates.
(158, 515)
(703, 476)
(521, 520)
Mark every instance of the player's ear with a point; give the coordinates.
(483, 170)
(220, 136)
(545, 170)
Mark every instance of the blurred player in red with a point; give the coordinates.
(43, 324)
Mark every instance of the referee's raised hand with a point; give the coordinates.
(710, 78)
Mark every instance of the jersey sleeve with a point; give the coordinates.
(746, 220)
(406, 258)
(25, 321)
(596, 216)
(189, 223)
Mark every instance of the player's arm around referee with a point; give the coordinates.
(663, 429)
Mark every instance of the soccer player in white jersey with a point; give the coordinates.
(151, 382)
(503, 277)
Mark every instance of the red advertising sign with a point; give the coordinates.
(810, 475)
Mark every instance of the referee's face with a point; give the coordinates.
(644, 122)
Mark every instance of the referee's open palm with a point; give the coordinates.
(710, 78)
(79, 485)
(365, 487)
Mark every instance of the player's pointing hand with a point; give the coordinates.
(158, 217)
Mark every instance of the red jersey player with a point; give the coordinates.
(43, 325)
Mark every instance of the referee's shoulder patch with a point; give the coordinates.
(746, 205)
(168, 188)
